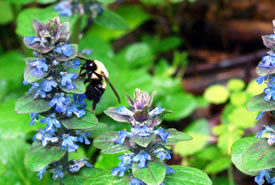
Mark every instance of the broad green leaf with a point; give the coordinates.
(27, 104)
(111, 20)
(13, 125)
(80, 153)
(218, 165)
(69, 180)
(113, 125)
(168, 43)
(38, 157)
(79, 87)
(239, 98)
(100, 177)
(218, 180)
(153, 174)
(258, 103)
(187, 176)
(216, 94)
(88, 121)
(176, 136)
(200, 132)
(253, 88)
(45, 1)
(209, 153)
(153, 2)
(180, 103)
(143, 141)
(238, 150)
(106, 1)
(133, 15)
(105, 142)
(11, 159)
(6, 13)
(235, 84)
(21, 2)
(258, 156)
(105, 161)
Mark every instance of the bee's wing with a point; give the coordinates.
(112, 87)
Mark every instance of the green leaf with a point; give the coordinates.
(5, 12)
(176, 136)
(200, 132)
(27, 104)
(187, 176)
(258, 156)
(88, 121)
(13, 125)
(11, 160)
(69, 180)
(111, 20)
(106, 1)
(209, 153)
(106, 143)
(100, 177)
(153, 174)
(180, 103)
(238, 150)
(45, 1)
(258, 103)
(168, 43)
(38, 157)
(253, 88)
(21, 2)
(218, 165)
(143, 141)
(105, 161)
(235, 84)
(216, 94)
(79, 87)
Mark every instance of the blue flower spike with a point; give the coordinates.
(68, 141)
(142, 158)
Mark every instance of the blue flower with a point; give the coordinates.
(75, 109)
(270, 92)
(260, 179)
(75, 64)
(69, 141)
(260, 115)
(42, 172)
(142, 131)
(162, 134)
(45, 137)
(60, 102)
(83, 137)
(36, 90)
(57, 172)
(124, 111)
(271, 139)
(64, 8)
(141, 158)
(39, 66)
(48, 84)
(163, 154)
(122, 136)
(126, 158)
(168, 169)
(52, 122)
(31, 40)
(120, 170)
(67, 80)
(79, 164)
(65, 49)
(35, 116)
(267, 62)
(79, 99)
(135, 181)
(266, 129)
(157, 111)
(261, 79)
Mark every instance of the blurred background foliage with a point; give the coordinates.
(200, 57)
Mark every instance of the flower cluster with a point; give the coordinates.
(144, 141)
(67, 8)
(266, 70)
(48, 73)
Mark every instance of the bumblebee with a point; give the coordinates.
(97, 78)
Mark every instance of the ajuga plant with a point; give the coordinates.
(55, 98)
(146, 146)
(68, 8)
(256, 156)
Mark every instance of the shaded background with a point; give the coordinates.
(179, 48)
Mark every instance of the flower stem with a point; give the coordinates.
(230, 175)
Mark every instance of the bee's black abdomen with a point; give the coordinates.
(94, 91)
